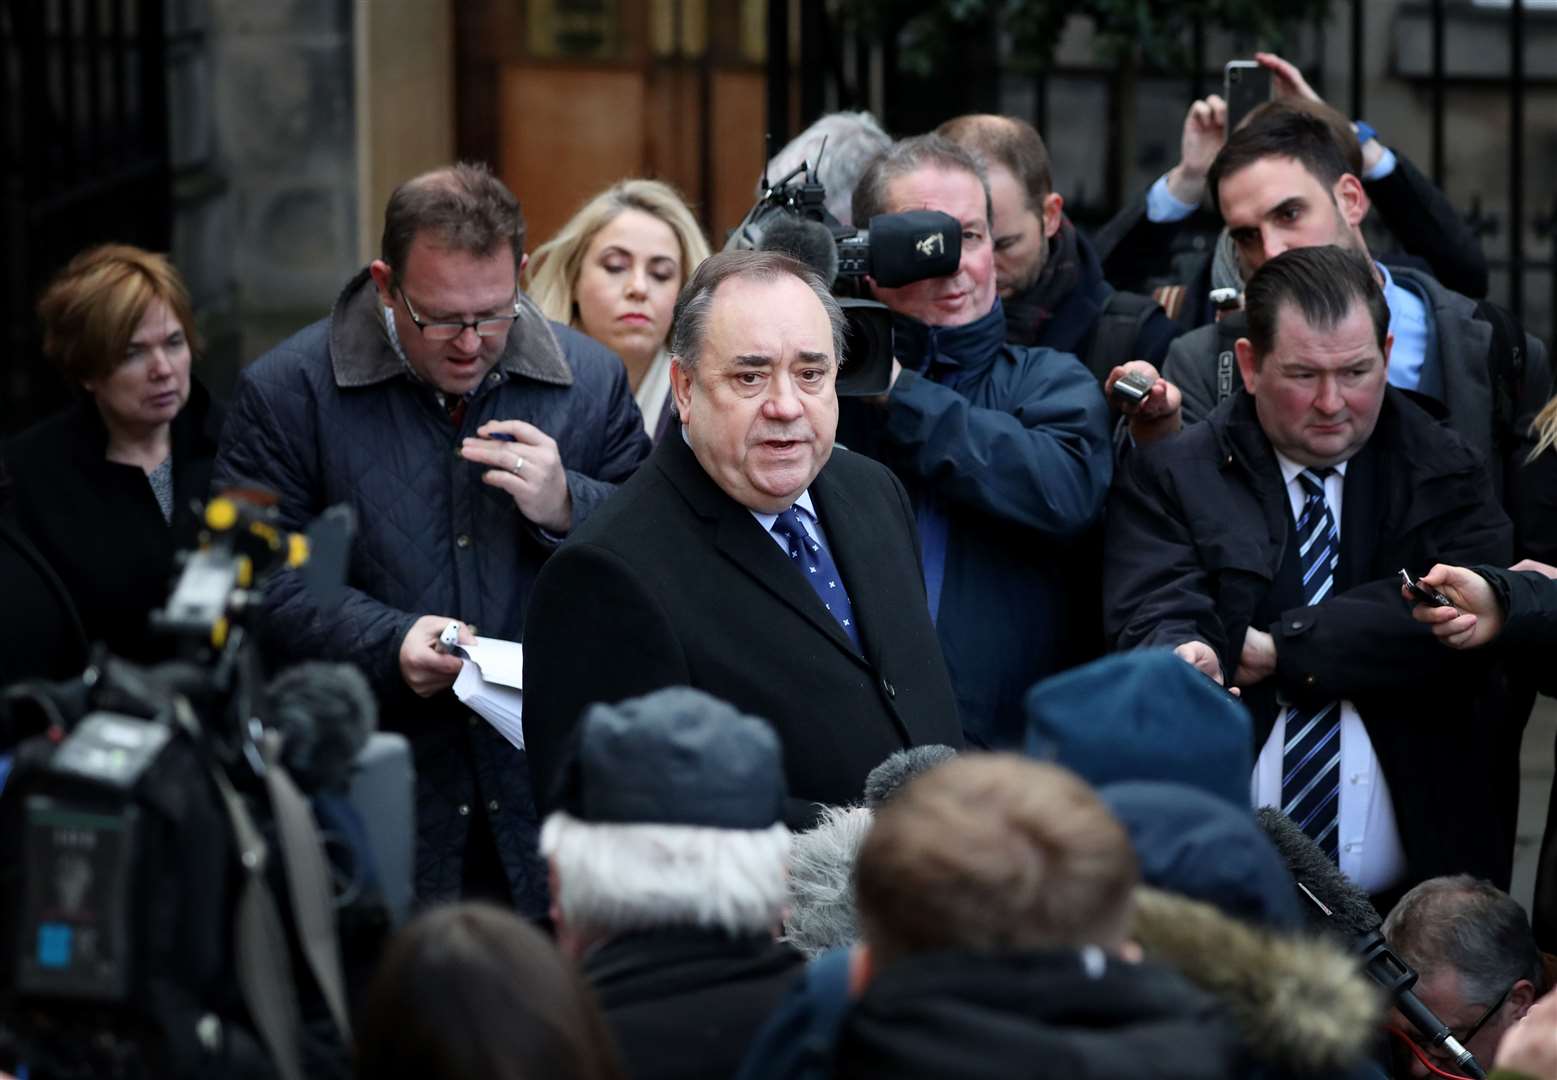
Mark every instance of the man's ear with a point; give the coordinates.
(383, 277)
(1244, 349)
(1053, 210)
(681, 389)
(1389, 343)
(1351, 198)
(1521, 997)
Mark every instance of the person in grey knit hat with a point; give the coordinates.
(668, 854)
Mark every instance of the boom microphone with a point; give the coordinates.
(809, 241)
(325, 713)
(1336, 906)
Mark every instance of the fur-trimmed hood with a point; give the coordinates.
(1303, 1005)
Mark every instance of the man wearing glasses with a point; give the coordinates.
(470, 435)
(1477, 963)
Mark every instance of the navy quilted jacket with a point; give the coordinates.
(332, 415)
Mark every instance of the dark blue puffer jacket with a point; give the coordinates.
(332, 415)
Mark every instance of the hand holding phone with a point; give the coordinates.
(1421, 594)
(1132, 388)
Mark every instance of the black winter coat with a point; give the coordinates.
(98, 524)
(684, 1004)
(331, 415)
(1080, 1016)
(1196, 535)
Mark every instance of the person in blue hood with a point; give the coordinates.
(1005, 451)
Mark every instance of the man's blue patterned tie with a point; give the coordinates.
(1311, 757)
(817, 565)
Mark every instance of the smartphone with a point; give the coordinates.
(1245, 84)
(1424, 595)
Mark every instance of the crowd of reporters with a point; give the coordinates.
(1056, 870)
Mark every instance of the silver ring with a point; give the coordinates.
(517, 465)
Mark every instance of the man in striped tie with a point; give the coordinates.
(1263, 547)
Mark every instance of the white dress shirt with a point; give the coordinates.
(808, 520)
(1368, 844)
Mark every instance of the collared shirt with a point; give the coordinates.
(1368, 846)
(1413, 363)
(808, 520)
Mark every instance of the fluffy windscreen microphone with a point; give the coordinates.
(325, 713)
(1352, 912)
(809, 241)
(888, 778)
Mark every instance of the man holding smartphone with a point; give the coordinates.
(1264, 545)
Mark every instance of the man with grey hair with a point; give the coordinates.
(668, 852)
(470, 435)
(748, 558)
(1476, 960)
(1005, 451)
(852, 139)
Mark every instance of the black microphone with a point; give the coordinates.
(888, 778)
(1338, 907)
(811, 242)
(325, 713)
(899, 249)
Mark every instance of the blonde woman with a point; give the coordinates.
(614, 272)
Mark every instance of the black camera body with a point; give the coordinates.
(152, 839)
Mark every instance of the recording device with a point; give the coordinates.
(1338, 908)
(1132, 388)
(790, 216)
(178, 834)
(1422, 594)
(1246, 84)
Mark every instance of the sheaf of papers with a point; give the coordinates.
(491, 683)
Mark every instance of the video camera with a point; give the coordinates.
(790, 216)
(162, 865)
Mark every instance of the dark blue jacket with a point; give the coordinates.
(332, 415)
(1018, 459)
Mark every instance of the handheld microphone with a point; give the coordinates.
(1336, 906)
(888, 778)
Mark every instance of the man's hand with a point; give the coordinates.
(529, 468)
(1159, 413)
(1286, 80)
(1205, 130)
(1538, 567)
(1201, 657)
(1476, 617)
(1529, 1046)
(1257, 662)
(425, 669)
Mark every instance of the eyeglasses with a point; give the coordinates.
(1439, 1053)
(486, 326)
(1491, 1009)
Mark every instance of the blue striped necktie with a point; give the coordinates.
(1311, 756)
